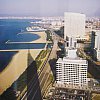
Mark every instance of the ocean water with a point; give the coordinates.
(15, 31)
(10, 28)
(25, 37)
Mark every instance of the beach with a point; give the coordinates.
(42, 38)
(19, 63)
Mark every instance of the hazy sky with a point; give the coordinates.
(49, 7)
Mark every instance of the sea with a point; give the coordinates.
(14, 30)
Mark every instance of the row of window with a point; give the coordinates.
(71, 71)
(70, 67)
(71, 64)
(75, 78)
(74, 82)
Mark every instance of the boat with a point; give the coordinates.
(35, 29)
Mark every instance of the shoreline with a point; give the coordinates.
(13, 70)
(42, 38)
(19, 63)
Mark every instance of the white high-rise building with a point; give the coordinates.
(97, 43)
(97, 39)
(74, 25)
(71, 69)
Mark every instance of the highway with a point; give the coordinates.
(55, 36)
(36, 82)
(40, 80)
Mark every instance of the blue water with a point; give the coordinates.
(25, 37)
(22, 46)
(15, 31)
(11, 29)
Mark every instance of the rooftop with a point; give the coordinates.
(72, 60)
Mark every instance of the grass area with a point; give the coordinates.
(41, 58)
(42, 55)
(49, 37)
(51, 77)
(38, 63)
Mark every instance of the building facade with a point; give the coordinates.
(74, 25)
(97, 44)
(71, 69)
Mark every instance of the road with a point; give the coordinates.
(40, 80)
(55, 36)
(93, 65)
(36, 83)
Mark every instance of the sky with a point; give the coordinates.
(48, 7)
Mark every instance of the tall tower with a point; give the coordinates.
(97, 44)
(74, 25)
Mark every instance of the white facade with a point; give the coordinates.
(71, 70)
(98, 55)
(97, 39)
(97, 43)
(74, 25)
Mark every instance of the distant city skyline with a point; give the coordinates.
(48, 7)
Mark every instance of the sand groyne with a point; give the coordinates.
(42, 38)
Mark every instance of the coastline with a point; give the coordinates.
(42, 38)
(19, 63)
(16, 67)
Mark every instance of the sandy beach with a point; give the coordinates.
(18, 64)
(16, 67)
(42, 38)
